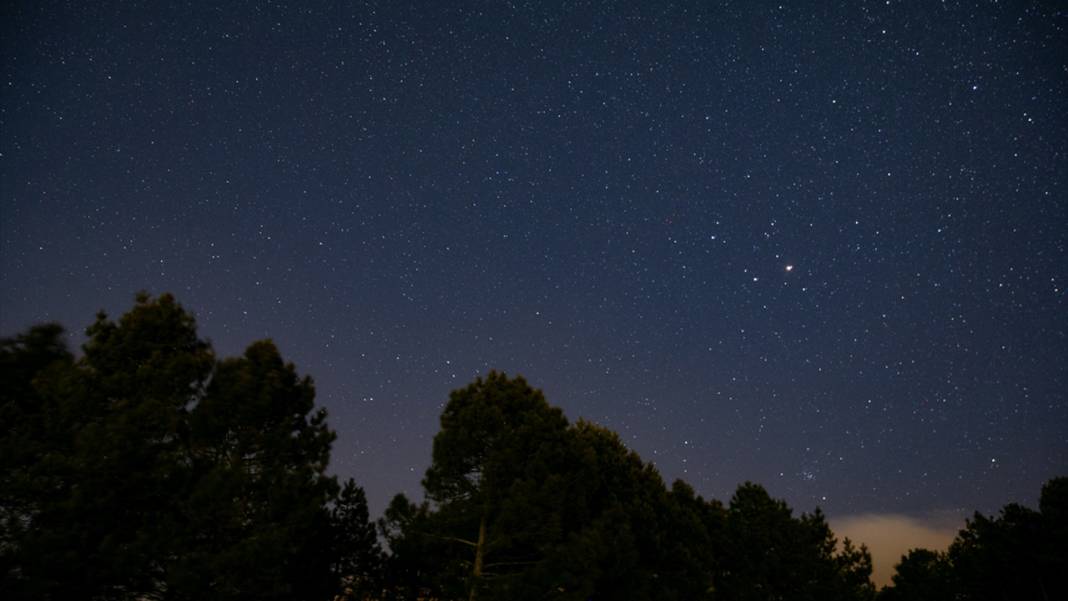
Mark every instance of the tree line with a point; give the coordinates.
(149, 468)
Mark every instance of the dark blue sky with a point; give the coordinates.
(818, 245)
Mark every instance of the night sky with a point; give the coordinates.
(821, 246)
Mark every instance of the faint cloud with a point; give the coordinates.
(890, 536)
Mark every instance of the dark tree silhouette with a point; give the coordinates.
(146, 469)
(256, 516)
(769, 554)
(626, 535)
(922, 575)
(149, 469)
(1018, 554)
(356, 553)
(35, 440)
(524, 506)
(113, 429)
(421, 564)
(499, 443)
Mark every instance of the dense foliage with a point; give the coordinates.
(1019, 554)
(147, 468)
(523, 505)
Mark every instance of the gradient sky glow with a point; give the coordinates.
(821, 246)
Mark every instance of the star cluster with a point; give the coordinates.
(820, 246)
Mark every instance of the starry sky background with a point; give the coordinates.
(816, 245)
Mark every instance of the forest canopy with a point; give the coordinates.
(149, 468)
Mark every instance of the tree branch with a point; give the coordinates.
(510, 563)
(449, 538)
